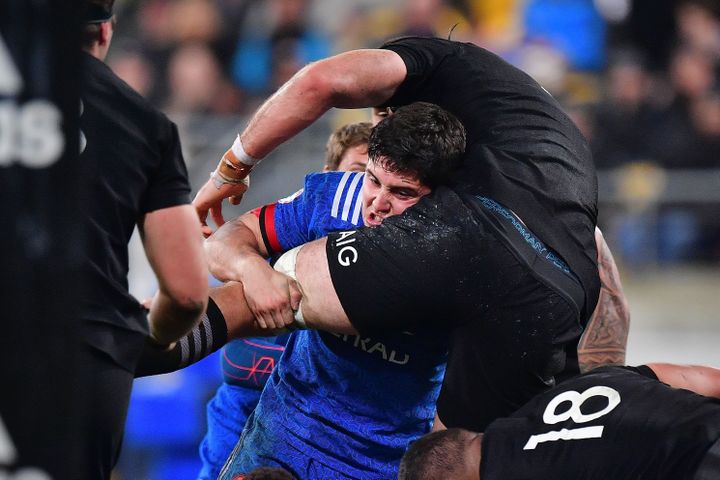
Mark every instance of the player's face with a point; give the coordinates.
(388, 193)
(354, 159)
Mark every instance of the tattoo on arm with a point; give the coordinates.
(605, 339)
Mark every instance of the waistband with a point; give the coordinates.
(543, 261)
(709, 468)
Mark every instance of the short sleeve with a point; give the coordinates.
(283, 224)
(168, 185)
(328, 202)
(643, 370)
(421, 57)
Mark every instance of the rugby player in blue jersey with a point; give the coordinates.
(343, 406)
(248, 363)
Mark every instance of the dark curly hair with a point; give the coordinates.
(419, 138)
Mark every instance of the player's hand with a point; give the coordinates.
(209, 200)
(272, 297)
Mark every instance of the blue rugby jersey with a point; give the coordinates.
(246, 366)
(350, 402)
(247, 362)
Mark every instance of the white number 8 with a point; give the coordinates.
(577, 399)
(574, 413)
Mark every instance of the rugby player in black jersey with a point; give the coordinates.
(653, 422)
(504, 256)
(136, 174)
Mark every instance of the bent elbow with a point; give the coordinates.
(319, 87)
(190, 299)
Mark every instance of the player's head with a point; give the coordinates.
(453, 453)
(410, 152)
(97, 32)
(346, 149)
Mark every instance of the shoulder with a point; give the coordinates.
(331, 199)
(420, 43)
(432, 47)
(102, 87)
(334, 185)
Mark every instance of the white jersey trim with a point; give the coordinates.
(346, 198)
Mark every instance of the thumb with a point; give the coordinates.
(295, 294)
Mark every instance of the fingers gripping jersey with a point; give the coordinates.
(351, 403)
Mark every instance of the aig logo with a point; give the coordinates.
(347, 254)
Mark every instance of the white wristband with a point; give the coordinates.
(241, 154)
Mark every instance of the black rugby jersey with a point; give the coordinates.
(612, 423)
(522, 150)
(131, 157)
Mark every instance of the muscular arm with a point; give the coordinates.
(699, 379)
(360, 78)
(236, 248)
(605, 339)
(320, 306)
(173, 244)
(236, 252)
(355, 79)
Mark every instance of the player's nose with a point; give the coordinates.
(381, 201)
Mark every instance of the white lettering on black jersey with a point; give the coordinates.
(574, 413)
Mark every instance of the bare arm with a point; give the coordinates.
(699, 379)
(236, 248)
(359, 78)
(605, 339)
(355, 79)
(236, 252)
(173, 244)
(321, 307)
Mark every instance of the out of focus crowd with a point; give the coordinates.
(639, 77)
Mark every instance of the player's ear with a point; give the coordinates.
(105, 33)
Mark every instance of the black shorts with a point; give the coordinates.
(466, 264)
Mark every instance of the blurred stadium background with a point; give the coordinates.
(640, 78)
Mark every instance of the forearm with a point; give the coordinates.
(227, 317)
(356, 79)
(240, 321)
(696, 378)
(207, 337)
(605, 339)
(233, 251)
(170, 319)
(290, 110)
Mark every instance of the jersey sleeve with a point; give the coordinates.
(168, 185)
(328, 202)
(643, 370)
(430, 61)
